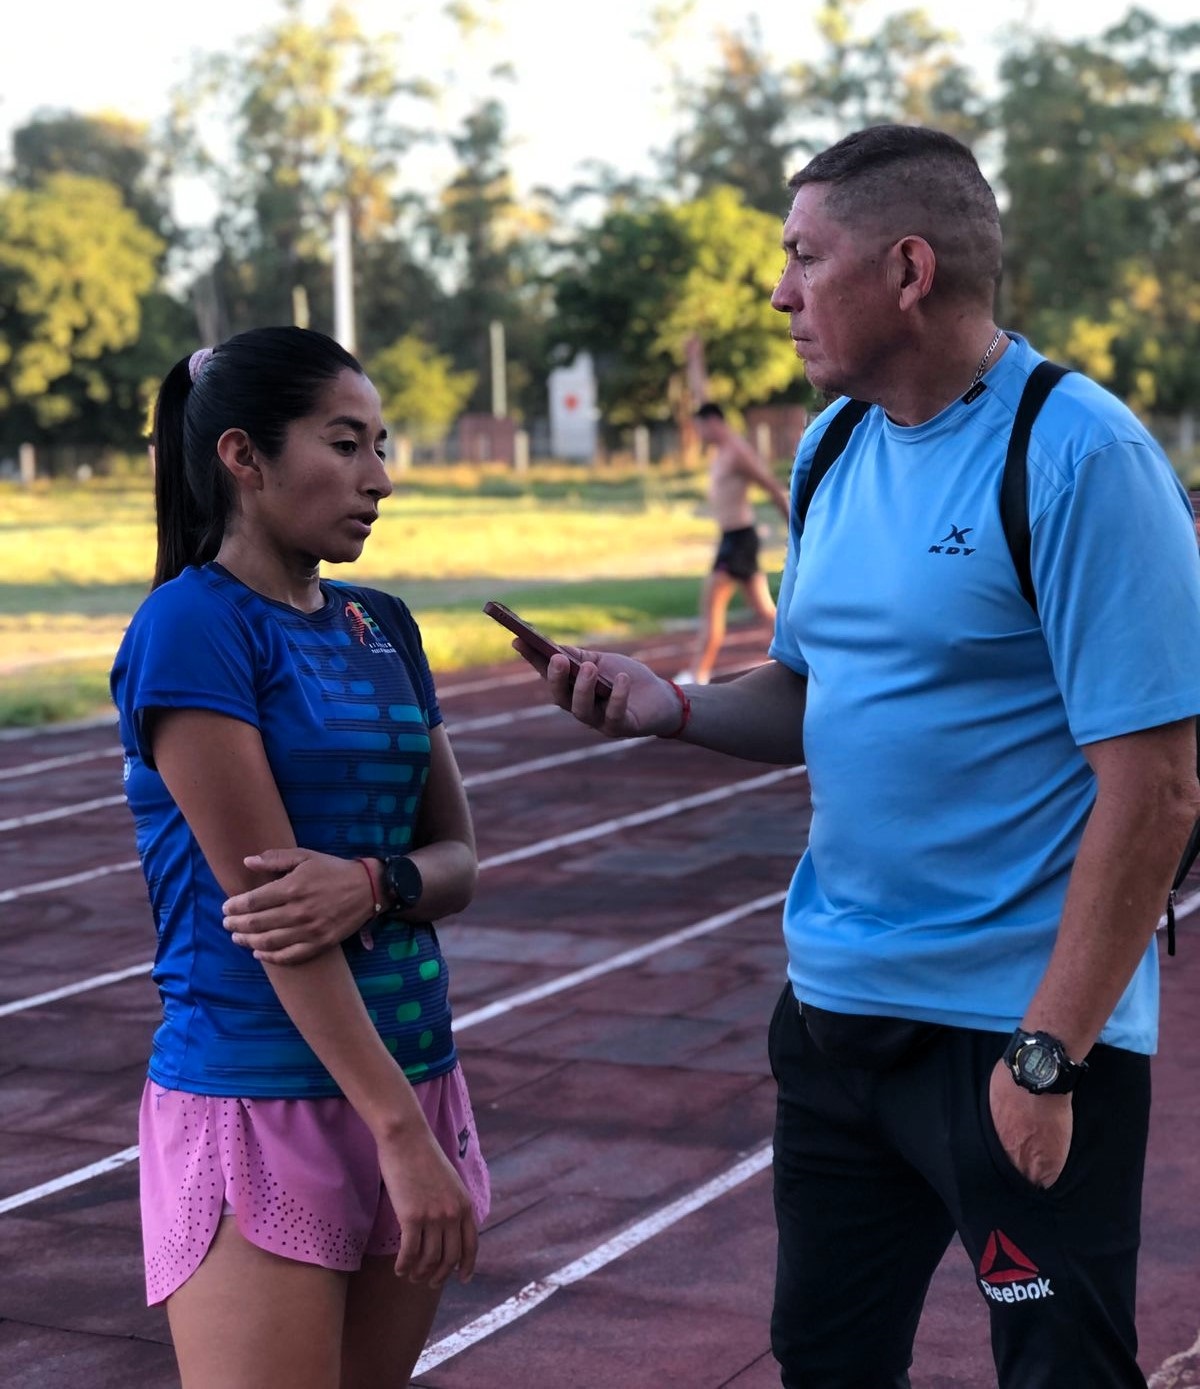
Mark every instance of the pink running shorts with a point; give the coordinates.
(301, 1177)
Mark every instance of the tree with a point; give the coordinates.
(749, 119)
(740, 116)
(420, 392)
(492, 241)
(907, 71)
(75, 267)
(312, 113)
(1104, 207)
(107, 147)
(648, 280)
(122, 379)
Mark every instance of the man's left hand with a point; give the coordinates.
(1034, 1130)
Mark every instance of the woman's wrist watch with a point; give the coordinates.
(1039, 1063)
(402, 879)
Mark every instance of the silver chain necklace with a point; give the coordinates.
(983, 361)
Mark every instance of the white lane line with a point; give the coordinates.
(493, 682)
(52, 764)
(131, 971)
(97, 981)
(468, 1020)
(10, 894)
(1169, 1374)
(524, 711)
(539, 764)
(544, 764)
(614, 962)
(642, 817)
(12, 735)
(503, 1005)
(74, 759)
(533, 1294)
(528, 851)
(81, 1174)
(63, 812)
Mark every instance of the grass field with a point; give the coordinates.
(581, 552)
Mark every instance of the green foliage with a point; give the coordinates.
(421, 393)
(313, 114)
(750, 117)
(495, 243)
(1100, 149)
(108, 147)
(75, 266)
(907, 71)
(646, 280)
(739, 117)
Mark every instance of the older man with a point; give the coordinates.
(1002, 782)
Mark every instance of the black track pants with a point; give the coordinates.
(876, 1170)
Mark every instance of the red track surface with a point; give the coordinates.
(601, 1104)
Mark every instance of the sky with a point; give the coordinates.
(587, 87)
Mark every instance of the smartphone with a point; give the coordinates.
(541, 644)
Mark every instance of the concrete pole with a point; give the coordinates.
(499, 370)
(343, 279)
(300, 315)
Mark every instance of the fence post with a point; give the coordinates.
(641, 446)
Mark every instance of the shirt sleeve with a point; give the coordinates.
(186, 648)
(1117, 573)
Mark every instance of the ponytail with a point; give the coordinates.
(191, 510)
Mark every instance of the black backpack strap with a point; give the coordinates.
(830, 448)
(1014, 486)
(1014, 516)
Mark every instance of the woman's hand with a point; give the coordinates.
(314, 902)
(437, 1223)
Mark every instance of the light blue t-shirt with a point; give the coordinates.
(944, 719)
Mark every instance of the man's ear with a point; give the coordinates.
(235, 449)
(915, 266)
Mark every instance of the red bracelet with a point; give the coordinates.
(685, 712)
(375, 893)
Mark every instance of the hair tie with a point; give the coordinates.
(197, 362)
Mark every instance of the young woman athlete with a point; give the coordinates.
(310, 1173)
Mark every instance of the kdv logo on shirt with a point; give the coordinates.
(955, 543)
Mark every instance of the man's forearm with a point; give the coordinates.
(1117, 892)
(759, 716)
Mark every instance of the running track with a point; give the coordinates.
(612, 984)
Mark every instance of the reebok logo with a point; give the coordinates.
(958, 535)
(1008, 1275)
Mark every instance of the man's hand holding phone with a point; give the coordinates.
(625, 699)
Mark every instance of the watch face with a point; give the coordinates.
(404, 880)
(1038, 1064)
